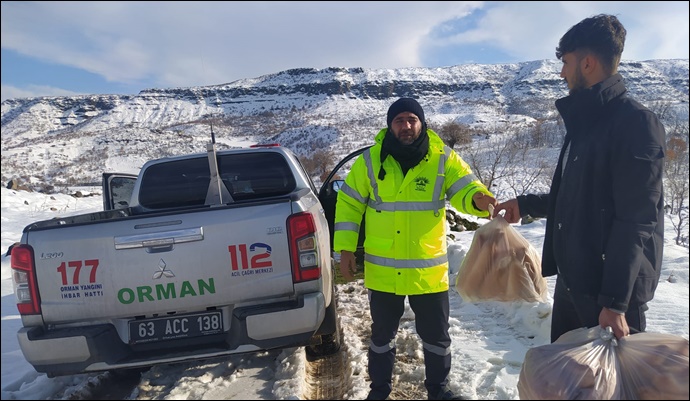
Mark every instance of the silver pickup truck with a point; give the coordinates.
(198, 256)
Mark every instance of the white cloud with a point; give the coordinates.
(658, 32)
(12, 92)
(179, 44)
(531, 30)
(202, 43)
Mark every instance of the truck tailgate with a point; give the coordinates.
(162, 264)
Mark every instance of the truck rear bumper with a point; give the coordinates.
(264, 326)
(97, 348)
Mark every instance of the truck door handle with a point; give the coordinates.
(164, 239)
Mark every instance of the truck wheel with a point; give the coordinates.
(327, 343)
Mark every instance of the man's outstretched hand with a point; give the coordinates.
(512, 214)
(482, 201)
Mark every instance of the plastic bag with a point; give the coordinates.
(654, 366)
(501, 265)
(593, 364)
(580, 365)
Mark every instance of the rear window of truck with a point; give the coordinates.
(247, 176)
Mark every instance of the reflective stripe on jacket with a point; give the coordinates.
(405, 244)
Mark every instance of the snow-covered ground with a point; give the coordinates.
(490, 339)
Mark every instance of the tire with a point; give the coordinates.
(327, 339)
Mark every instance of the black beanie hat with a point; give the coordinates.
(402, 105)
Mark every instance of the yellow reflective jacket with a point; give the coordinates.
(405, 219)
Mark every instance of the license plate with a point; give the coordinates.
(175, 327)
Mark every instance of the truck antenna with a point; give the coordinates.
(217, 193)
(213, 135)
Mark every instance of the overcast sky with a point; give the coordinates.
(66, 48)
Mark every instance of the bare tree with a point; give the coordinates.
(662, 109)
(496, 161)
(319, 163)
(532, 178)
(676, 187)
(510, 162)
(454, 133)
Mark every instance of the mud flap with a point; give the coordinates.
(327, 339)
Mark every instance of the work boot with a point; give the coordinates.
(375, 396)
(445, 394)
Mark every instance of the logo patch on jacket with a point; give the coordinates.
(421, 183)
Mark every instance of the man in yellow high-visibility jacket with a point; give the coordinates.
(402, 183)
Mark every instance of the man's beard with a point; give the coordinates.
(408, 139)
(578, 82)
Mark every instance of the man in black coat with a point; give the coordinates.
(605, 209)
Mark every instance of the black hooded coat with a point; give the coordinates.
(605, 210)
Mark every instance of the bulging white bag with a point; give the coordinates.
(501, 265)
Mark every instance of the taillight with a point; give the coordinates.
(303, 247)
(24, 280)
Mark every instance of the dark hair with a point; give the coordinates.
(601, 34)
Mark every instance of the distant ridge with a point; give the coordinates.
(51, 138)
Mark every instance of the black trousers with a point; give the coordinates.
(431, 321)
(573, 310)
